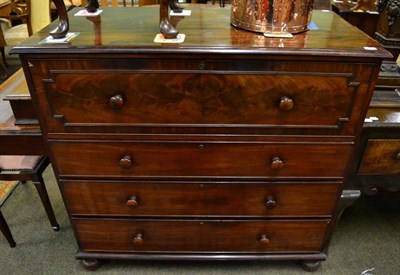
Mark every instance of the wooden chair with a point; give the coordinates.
(115, 3)
(23, 168)
(69, 3)
(126, 3)
(2, 55)
(34, 14)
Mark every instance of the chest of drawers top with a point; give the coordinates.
(207, 31)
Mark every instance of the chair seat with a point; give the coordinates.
(6, 189)
(14, 169)
(15, 35)
(18, 163)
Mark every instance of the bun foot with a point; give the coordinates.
(310, 266)
(167, 30)
(91, 264)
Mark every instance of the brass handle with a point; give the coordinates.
(117, 101)
(270, 202)
(126, 162)
(138, 240)
(286, 103)
(132, 202)
(276, 163)
(264, 239)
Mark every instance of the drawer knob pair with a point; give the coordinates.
(138, 240)
(277, 163)
(126, 162)
(116, 102)
(132, 201)
(286, 104)
(264, 239)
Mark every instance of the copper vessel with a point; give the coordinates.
(280, 16)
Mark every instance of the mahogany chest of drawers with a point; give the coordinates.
(227, 146)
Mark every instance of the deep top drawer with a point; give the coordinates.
(198, 98)
(227, 96)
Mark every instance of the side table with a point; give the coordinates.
(377, 162)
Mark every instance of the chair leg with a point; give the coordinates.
(3, 54)
(3, 65)
(41, 188)
(6, 231)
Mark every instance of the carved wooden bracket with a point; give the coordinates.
(63, 27)
(391, 8)
(388, 29)
(166, 28)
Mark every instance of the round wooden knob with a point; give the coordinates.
(132, 202)
(138, 240)
(270, 202)
(286, 103)
(264, 240)
(276, 163)
(126, 162)
(398, 155)
(117, 101)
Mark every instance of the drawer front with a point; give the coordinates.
(201, 199)
(268, 96)
(199, 98)
(194, 159)
(188, 236)
(381, 156)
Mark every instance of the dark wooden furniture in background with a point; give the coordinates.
(5, 10)
(17, 137)
(22, 153)
(228, 146)
(26, 168)
(388, 29)
(366, 20)
(20, 100)
(388, 34)
(379, 153)
(376, 168)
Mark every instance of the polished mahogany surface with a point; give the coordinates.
(133, 31)
(21, 139)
